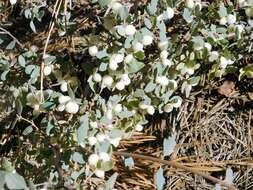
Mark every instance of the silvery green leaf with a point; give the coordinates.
(103, 67)
(111, 181)
(77, 157)
(2, 179)
(101, 54)
(11, 45)
(147, 23)
(222, 11)
(75, 175)
(49, 60)
(150, 87)
(123, 13)
(29, 69)
(104, 2)
(187, 16)
(21, 61)
(32, 26)
(128, 41)
(135, 67)
(4, 74)
(217, 187)
(31, 185)
(27, 130)
(169, 145)
(50, 126)
(83, 129)
(229, 175)
(129, 162)
(15, 181)
(159, 179)
(152, 7)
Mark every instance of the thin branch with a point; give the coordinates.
(13, 37)
(28, 121)
(54, 16)
(177, 165)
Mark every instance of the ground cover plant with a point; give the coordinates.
(107, 94)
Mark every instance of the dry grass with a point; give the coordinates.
(213, 133)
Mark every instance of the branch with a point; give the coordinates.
(177, 165)
(13, 37)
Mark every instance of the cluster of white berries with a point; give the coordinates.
(149, 108)
(95, 158)
(115, 59)
(126, 30)
(65, 103)
(93, 50)
(224, 62)
(124, 81)
(230, 19)
(164, 58)
(167, 14)
(191, 4)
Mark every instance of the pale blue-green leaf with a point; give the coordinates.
(50, 126)
(147, 23)
(103, 67)
(104, 2)
(27, 130)
(111, 181)
(49, 60)
(83, 129)
(229, 175)
(152, 7)
(32, 26)
(4, 74)
(101, 54)
(29, 69)
(15, 181)
(135, 67)
(150, 87)
(129, 162)
(11, 45)
(159, 179)
(222, 11)
(2, 179)
(169, 145)
(123, 12)
(77, 157)
(31, 185)
(21, 61)
(187, 16)
(217, 187)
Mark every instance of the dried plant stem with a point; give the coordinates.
(54, 16)
(177, 165)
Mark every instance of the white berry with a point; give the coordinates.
(129, 58)
(104, 156)
(72, 107)
(47, 70)
(130, 30)
(120, 85)
(147, 40)
(138, 47)
(169, 13)
(93, 50)
(99, 173)
(92, 141)
(168, 108)
(138, 127)
(118, 108)
(93, 159)
(107, 81)
(97, 77)
(231, 19)
(61, 107)
(151, 110)
(64, 86)
(223, 21)
(63, 99)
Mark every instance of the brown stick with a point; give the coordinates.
(177, 165)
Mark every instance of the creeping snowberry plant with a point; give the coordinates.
(138, 61)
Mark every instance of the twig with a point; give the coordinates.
(177, 165)
(28, 121)
(13, 37)
(54, 15)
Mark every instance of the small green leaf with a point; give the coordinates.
(106, 166)
(169, 145)
(21, 61)
(104, 2)
(123, 13)
(111, 182)
(15, 181)
(150, 87)
(140, 55)
(77, 157)
(11, 45)
(135, 67)
(187, 16)
(147, 23)
(83, 130)
(32, 26)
